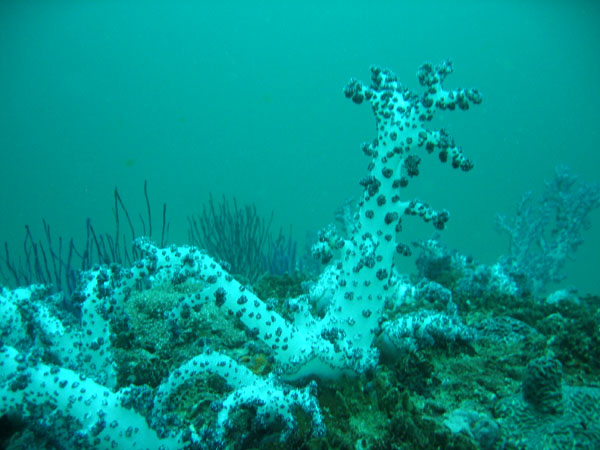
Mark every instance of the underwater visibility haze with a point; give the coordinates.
(300, 224)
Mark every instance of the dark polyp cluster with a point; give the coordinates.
(400, 183)
(432, 78)
(403, 249)
(382, 274)
(220, 295)
(411, 164)
(371, 185)
(354, 91)
(367, 149)
(429, 77)
(423, 210)
(329, 241)
(440, 219)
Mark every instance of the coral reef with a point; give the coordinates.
(173, 351)
(548, 414)
(338, 343)
(545, 233)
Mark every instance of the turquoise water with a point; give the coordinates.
(245, 99)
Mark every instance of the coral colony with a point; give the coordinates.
(57, 367)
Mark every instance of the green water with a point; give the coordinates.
(245, 99)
